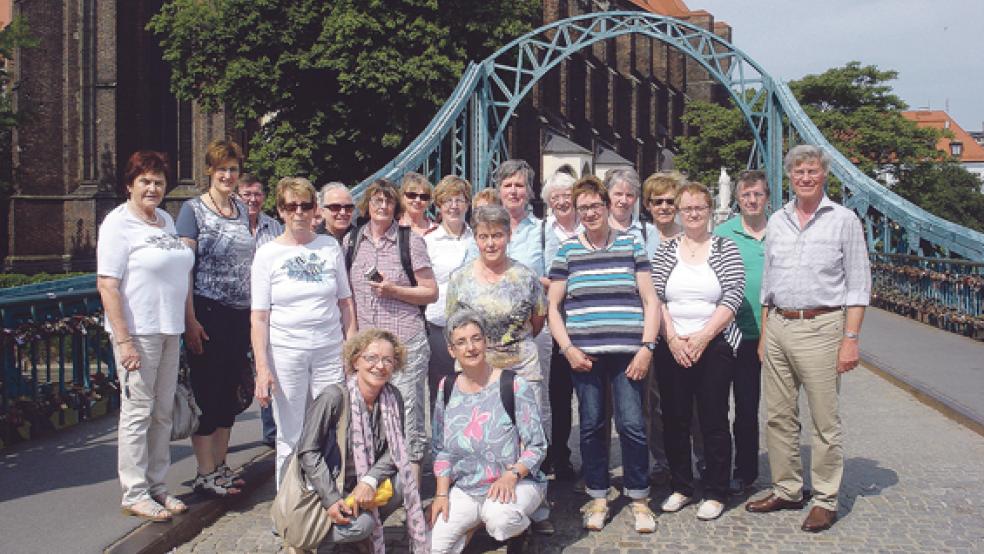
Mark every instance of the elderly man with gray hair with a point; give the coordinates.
(816, 282)
(337, 210)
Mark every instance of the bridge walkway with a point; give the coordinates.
(913, 478)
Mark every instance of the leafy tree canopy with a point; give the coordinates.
(340, 86)
(853, 106)
(945, 189)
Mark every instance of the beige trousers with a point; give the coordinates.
(146, 403)
(803, 353)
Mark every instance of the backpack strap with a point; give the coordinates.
(507, 394)
(543, 237)
(354, 240)
(449, 387)
(403, 243)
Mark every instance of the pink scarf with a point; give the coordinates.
(364, 456)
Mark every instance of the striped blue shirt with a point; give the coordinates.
(602, 307)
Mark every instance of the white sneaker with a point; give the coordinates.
(675, 502)
(710, 509)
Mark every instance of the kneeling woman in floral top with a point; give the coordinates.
(486, 459)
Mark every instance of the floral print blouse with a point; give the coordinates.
(474, 440)
(508, 304)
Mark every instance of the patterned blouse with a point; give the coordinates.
(508, 304)
(224, 251)
(474, 439)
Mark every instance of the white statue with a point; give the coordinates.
(724, 190)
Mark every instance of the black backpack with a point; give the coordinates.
(506, 393)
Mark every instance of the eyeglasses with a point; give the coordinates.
(251, 194)
(800, 173)
(466, 342)
(381, 202)
(335, 208)
(750, 195)
(423, 196)
(374, 359)
(588, 208)
(456, 201)
(660, 201)
(694, 210)
(292, 206)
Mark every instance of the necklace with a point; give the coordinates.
(593, 247)
(232, 206)
(156, 221)
(692, 249)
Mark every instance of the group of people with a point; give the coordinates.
(353, 312)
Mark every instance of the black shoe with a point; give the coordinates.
(565, 472)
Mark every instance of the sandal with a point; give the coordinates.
(147, 509)
(230, 476)
(645, 519)
(214, 485)
(172, 504)
(594, 514)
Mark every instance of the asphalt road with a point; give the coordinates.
(61, 493)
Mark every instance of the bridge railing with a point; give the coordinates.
(942, 292)
(57, 361)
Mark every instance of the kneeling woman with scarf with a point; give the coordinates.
(345, 474)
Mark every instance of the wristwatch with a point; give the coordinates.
(515, 472)
(650, 345)
(851, 335)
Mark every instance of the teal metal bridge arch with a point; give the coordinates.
(472, 123)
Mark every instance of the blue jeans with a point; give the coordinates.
(269, 425)
(608, 372)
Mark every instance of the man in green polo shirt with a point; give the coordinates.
(748, 231)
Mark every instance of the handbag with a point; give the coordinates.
(246, 387)
(298, 515)
(184, 416)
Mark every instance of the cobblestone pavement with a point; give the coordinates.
(914, 482)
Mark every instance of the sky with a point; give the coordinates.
(935, 45)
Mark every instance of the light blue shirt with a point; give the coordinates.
(526, 245)
(651, 240)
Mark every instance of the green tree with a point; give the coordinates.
(718, 136)
(856, 110)
(340, 86)
(945, 189)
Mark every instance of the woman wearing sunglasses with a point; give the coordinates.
(659, 193)
(415, 197)
(302, 309)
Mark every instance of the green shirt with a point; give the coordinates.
(749, 318)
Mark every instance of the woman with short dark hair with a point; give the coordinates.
(143, 271)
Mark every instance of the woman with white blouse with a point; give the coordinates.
(447, 246)
(143, 273)
(302, 310)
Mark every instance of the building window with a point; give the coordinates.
(956, 149)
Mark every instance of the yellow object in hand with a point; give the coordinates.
(383, 494)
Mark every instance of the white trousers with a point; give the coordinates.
(146, 406)
(301, 375)
(502, 521)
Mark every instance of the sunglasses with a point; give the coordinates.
(304, 206)
(423, 196)
(660, 201)
(335, 208)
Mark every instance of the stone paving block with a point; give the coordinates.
(913, 481)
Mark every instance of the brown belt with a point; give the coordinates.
(808, 313)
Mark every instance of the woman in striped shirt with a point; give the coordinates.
(701, 280)
(604, 315)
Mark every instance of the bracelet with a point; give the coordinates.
(563, 351)
(124, 341)
(445, 495)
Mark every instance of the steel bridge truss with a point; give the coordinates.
(467, 137)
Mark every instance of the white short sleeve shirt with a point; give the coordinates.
(301, 285)
(153, 266)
